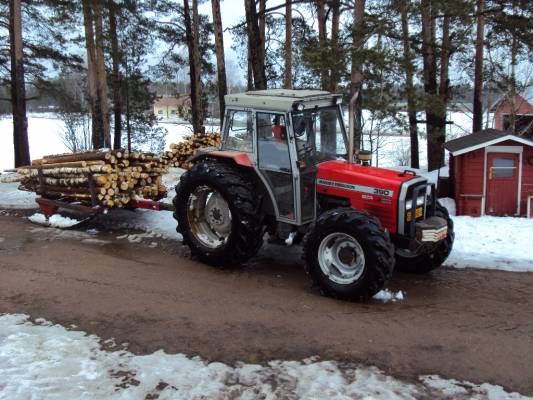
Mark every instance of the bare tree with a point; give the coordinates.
(18, 90)
(221, 63)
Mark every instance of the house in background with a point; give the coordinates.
(523, 111)
(172, 107)
(491, 173)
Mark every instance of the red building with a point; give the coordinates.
(491, 173)
(523, 111)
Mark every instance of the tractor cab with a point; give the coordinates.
(286, 134)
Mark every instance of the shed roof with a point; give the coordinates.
(478, 140)
(281, 99)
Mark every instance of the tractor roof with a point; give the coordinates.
(281, 99)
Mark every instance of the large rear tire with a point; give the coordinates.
(348, 254)
(218, 214)
(425, 263)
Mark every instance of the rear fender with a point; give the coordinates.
(238, 157)
(242, 161)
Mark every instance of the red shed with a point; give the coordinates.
(492, 173)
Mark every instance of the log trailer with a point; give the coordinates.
(286, 168)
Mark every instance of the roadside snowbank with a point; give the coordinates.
(49, 361)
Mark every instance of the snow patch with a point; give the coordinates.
(2, 240)
(11, 197)
(54, 362)
(56, 220)
(386, 295)
(493, 243)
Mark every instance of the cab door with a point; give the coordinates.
(274, 161)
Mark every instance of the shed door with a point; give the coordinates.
(502, 183)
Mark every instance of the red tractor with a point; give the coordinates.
(285, 168)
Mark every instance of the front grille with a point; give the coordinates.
(414, 195)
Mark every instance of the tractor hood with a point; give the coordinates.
(381, 192)
(365, 179)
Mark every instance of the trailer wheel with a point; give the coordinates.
(348, 254)
(218, 214)
(425, 263)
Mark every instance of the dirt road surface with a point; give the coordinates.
(465, 324)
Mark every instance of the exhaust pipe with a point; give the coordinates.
(351, 125)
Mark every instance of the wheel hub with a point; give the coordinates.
(209, 217)
(341, 258)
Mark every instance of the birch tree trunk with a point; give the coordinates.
(287, 73)
(18, 86)
(116, 58)
(221, 63)
(477, 117)
(409, 87)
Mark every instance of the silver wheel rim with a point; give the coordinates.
(209, 217)
(341, 258)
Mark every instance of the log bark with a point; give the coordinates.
(409, 86)
(221, 63)
(18, 85)
(477, 117)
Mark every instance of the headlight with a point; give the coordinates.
(419, 202)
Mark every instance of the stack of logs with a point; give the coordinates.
(179, 153)
(108, 177)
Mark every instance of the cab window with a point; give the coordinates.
(238, 135)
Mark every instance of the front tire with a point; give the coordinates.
(348, 254)
(425, 263)
(218, 214)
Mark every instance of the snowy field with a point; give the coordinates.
(39, 360)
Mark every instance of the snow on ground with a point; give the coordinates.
(502, 243)
(11, 197)
(386, 295)
(40, 360)
(56, 220)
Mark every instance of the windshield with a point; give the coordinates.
(319, 134)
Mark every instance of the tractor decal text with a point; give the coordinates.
(356, 188)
